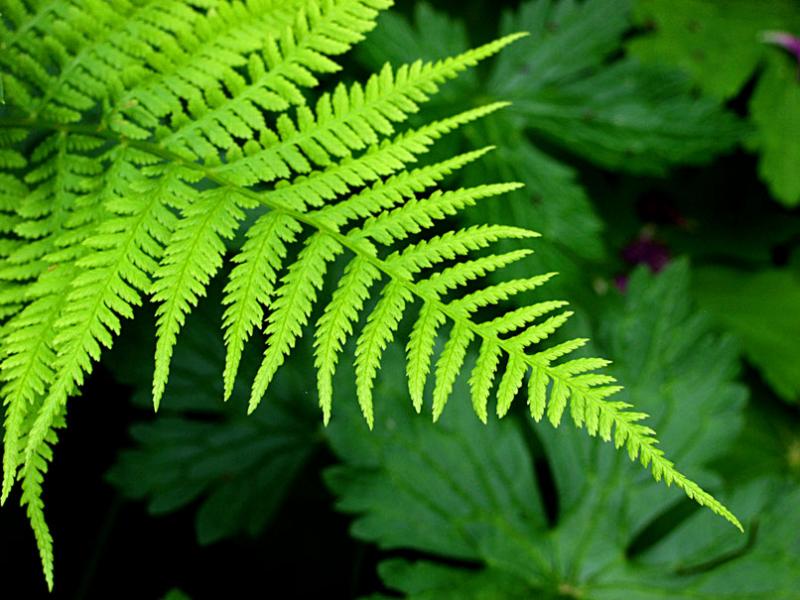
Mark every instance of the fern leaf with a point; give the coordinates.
(27, 367)
(345, 119)
(378, 332)
(482, 377)
(292, 308)
(288, 64)
(537, 396)
(336, 324)
(192, 256)
(449, 246)
(252, 283)
(470, 270)
(449, 366)
(420, 349)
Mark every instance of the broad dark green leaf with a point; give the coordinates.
(763, 309)
(719, 43)
(775, 110)
(459, 490)
(199, 448)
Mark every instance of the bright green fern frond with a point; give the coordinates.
(292, 307)
(252, 283)
(139, 137)
(336, 324)
(346, 120)
(192, 256)
(377, 333)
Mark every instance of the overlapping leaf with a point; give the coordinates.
(762, 308)
(472, 494)
(569, 90)
(198, 448)
(723, 46)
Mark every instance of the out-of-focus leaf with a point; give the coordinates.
(769, 444)
(459, 490)
(775, 109)
(198, 447)
(719, 43)
(176, 594)
(763, 309)
(631, 117)
(433, 35)
(567, 85)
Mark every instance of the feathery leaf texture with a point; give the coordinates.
(137, 138)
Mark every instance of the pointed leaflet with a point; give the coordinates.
(449, 365)
(252, 283)
(480, 382)
(419, 350)
(377, 333)
(336, 324)
(193, 255)
(292, 308)
(537, 393)
(510, 383)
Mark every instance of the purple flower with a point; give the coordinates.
(644, 250)
(648, 251)
(787, 41)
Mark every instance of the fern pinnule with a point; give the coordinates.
(336, 324)
(292, 307)
(377, 333)
(252, 284)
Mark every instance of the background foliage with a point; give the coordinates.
(659, 143)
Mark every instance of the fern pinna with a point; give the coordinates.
(136, 139)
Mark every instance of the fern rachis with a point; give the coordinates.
(130, 167)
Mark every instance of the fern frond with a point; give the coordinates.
(192, 256)
(27, 366)
(32, 479)
(336, 324)
(346, 120)
(139, 136)
(292, 307)
(252, 284)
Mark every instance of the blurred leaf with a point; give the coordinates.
(460, 490)
(775, 109)
(433, 35)
(567, 84)
(769, 444)
(718, 43)
(198, 447)
(176, 594)
(763, 309)
(631, 117)
(721, 44)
